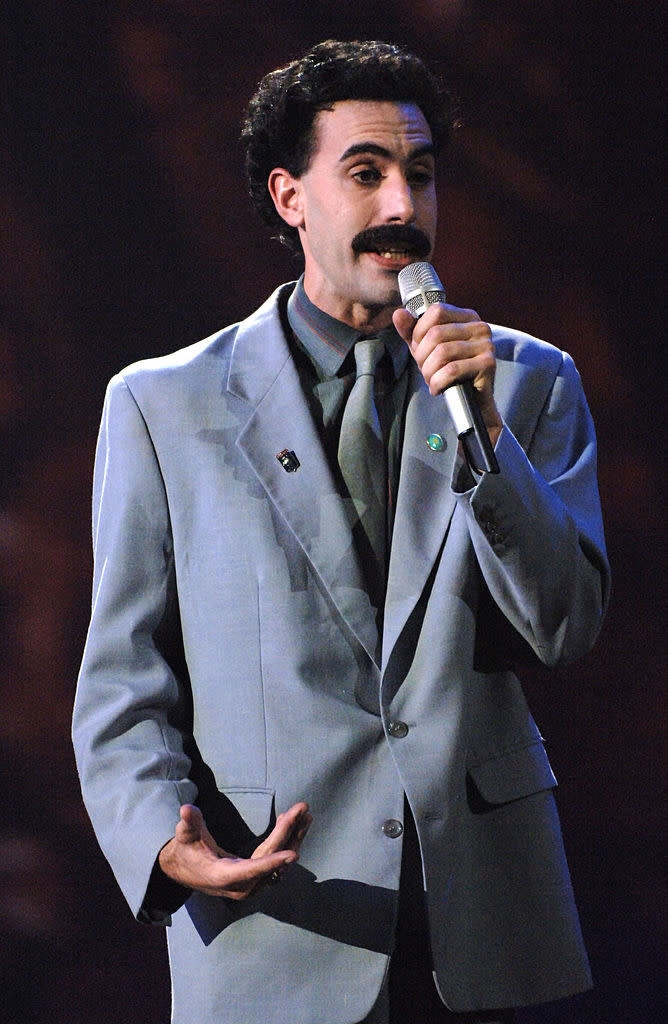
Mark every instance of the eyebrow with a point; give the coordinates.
(376, 150)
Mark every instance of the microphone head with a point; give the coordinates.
(419, 287)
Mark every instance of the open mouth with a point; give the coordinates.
(393, 243)
(396, 254)
(398, 257)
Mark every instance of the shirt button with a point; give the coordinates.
(392, 828)
(398, 730)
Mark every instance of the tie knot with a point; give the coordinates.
(368, 353)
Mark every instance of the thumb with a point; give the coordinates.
(191, 827)
(404, 323)
(192, 830)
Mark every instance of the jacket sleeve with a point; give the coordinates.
(536, 526)
(131, 714)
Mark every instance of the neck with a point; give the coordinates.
(365, 318)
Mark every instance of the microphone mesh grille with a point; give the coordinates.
(419, 302)
(419, 287)
(419, 275)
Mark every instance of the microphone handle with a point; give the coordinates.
(465, 413)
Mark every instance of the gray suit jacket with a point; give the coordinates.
(230, 662)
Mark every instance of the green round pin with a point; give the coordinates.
(436, 442)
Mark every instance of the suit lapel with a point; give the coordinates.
(425, 504)
(263, 373)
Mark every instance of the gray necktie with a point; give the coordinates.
(362, 459)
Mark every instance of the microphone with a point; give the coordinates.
(420, 286)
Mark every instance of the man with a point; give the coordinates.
(297, 725)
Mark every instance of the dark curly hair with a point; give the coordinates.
(278, 128)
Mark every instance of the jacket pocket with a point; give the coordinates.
(515, 774)
(255, 806)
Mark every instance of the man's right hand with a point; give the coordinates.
(194, 859)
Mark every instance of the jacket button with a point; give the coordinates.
(392, 828)
(398, 730)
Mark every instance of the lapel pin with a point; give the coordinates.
(435, 442)
(288, 460)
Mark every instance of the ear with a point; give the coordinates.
(287, 195)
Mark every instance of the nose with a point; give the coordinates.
(398, 202)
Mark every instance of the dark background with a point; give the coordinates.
(125, 232)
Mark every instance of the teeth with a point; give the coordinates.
(394, 254)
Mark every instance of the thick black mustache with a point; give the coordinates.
(387, 237)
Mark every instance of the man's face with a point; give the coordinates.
(373, 168)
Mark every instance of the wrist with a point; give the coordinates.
(495, 432)
(165, 860)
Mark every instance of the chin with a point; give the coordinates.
(389, 296)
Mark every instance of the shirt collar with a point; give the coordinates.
(328, 341)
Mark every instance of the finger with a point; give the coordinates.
(414, 331)
(445, 376)
(299, 832)
(404, 323)
(446, 365)
(445, 343)
(444, 313)
(237, 878)
(237, 871)
(288, 824)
